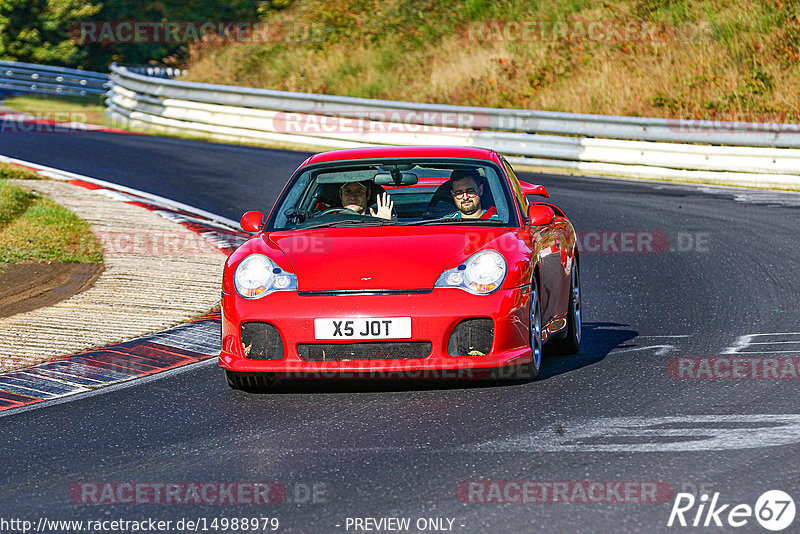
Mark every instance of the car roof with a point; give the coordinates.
(403, 152)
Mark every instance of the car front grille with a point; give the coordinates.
(384, 350)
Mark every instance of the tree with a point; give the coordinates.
(37, 31)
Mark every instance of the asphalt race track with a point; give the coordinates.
(679, 282)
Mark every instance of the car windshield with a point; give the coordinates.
(400, 192)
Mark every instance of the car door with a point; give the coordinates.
(552, 248)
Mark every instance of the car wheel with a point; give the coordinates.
(532, 369)
(572, 341)
(248, 382)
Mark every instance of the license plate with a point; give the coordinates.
(363, 328)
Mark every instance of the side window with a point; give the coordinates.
(522, 200)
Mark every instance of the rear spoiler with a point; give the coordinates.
(533, 189)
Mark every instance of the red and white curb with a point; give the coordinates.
(176, 347)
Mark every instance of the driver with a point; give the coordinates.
(354, 196)
(467, 190)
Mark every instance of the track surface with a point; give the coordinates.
(390, 448)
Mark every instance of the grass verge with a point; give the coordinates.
(36, 229)
(87, 109)
(658, 58)
(15, 172)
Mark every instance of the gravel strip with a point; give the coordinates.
(157, 274)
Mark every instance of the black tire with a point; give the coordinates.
(531, 370)
(248, 382)
(571, 343)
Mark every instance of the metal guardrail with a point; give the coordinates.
(155, 72)
(745, 153)
(16, 77)
(753, 154)
(530, 121)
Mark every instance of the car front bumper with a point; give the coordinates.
(434, 316)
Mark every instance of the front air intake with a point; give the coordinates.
(261, 341)
(471, 337)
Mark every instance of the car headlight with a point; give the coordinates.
(257, 275)
(481, 274)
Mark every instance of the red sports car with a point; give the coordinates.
(400, 261)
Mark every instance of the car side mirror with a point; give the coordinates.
(540, 215)
(251, 221)
(532, 189)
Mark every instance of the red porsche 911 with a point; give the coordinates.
(407, 260)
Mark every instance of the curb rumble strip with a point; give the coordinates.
(175, 347)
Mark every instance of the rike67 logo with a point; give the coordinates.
(774, 510)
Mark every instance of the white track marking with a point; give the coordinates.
(58, 174)
(686, 433)
(747, 341)
(660, 349)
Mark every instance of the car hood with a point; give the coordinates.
(379, 258)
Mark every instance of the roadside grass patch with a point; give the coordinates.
(15, 172)
(36, 229)
(89, 109)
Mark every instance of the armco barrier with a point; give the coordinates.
(733, 152)
(18, 77)
(530, 121)
(155, 71)
(743, 153)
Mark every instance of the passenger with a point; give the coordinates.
(355, 195)
(467, 190)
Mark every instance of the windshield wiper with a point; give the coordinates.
(349, 222)
(447, 220)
